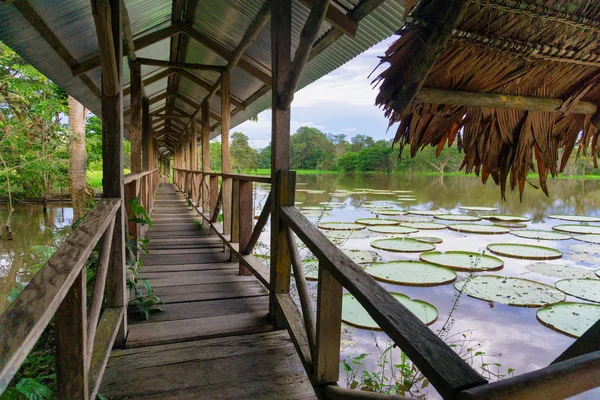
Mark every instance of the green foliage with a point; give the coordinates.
(310, 149)
(243, 157)
(264, 158)
(140, 215)
(29, 389)
(215, 156)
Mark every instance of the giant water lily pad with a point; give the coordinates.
(478, 208)
(578, 229)
(424, 225)
(411, 273)
(426, 212)
(571, 319)
(585, 289)
(376, 221)
(593, 249)
(463, 260)
(354, 314)
(316, 208)
(511, 291)
(377, 206)
(457, 217)
(412, 218)
(561, 271)
(402, 245)
(427, 239)
(588, 238)
(541, 235)
(481, 229)
(392, 230)
(511, 225)
(340, 226)
(346, 234)
(524, 251)
(388, 212)
(332, 205)
(402, 191)
(362, 256)
(575, 218)
(506, 218)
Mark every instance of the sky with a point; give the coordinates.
(339, 103)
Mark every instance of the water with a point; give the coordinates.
(35, 235)
(509, 336)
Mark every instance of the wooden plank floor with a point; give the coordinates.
(212, 340)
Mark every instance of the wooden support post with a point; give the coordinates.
(146, 133)
(225, 156)
(205, 156)
(235, 214)
(283, 182)
(135, 123)
(246, 216)
(214, 194)
(71, 343)
(131, 191)
(329, 328)
(107, 18)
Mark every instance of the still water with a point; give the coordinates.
(35, 236)
(510, 338)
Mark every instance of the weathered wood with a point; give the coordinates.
(103, 11)
(587, 343)
(71, 343)
(206, 85)
(338, 19)
(152, 79)
(180, 65)
(106, 334)
(166, 259)
(251, 34)
(245, 217)
(211, 291)
(28, 315)
(226, 183)
(309, 34)
(334, 392)
(448, 373)
(433, 39)
(235, 215)
(502, 101)
(329, 328)
(129, 43)
(260, 225)
(295, 326)
(557, 381)
(305, 300)
(213, 197)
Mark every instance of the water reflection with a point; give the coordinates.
(35, 233)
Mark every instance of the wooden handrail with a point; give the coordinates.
(241, 177)
(29, 314)
(136, 177)
(447, 372)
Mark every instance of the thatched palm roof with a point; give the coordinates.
(546, 49)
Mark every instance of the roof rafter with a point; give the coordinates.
(206, 85)
(338, 19)
(180, 65)
(154, 78)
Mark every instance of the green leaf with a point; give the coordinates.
(347, 367)
(33, 390)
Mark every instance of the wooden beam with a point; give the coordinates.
(152, 100)
(226, 185)
(586, 343)
(206, 85)
(135, 122)
(250, 35)
(205, 157)
(146, 129)
(140, 43)
(111, 84)
(336, 18)
(152, 79)
(503, 101)
(129, 43)
(36, 21)
(433, 39)
(180, 65)
(307, 38)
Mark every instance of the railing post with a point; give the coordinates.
(284, 185)
(72, 344)
(214, 194)
(329, 328)
(235, 214)
(245, 216)
(131, 191)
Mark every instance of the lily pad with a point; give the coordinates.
(427, 239)
(571, 319)
(481, 229)
(585, 289)
(411, 273)
(424, 225)
(340, 226)
(524, 251)
(511, 291)
(478, 208)
(585, 249)
(561, 271)
(426, 212)
(463, 260)
(540, 235)
(506, 218)
(578, 229)
(575, 218)
(402, 191)
(402, 245)
(362, 256)
(315, 191)
(376, 221)
(388, 212)
(393, 230)
(376, 206)
(511, 225)
(327, 204)
(347, 234)
(316, 208)
(457, 217)
(354, 314)
(412, 218)
(588, 238)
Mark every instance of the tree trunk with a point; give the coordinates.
(77, 159)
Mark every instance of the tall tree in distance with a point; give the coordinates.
(243, 156)
(77, 159)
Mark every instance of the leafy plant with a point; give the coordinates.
(140, 215)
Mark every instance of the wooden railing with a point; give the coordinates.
(142, 186)
(84, 333)
(317, 335)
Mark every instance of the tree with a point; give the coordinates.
(375, 158)
(360, 142)
(310, 149)
(347, 161)
(215, 156)
(77, 159)
(264, 157)
(242, 155)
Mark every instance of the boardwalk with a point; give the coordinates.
(213, 339)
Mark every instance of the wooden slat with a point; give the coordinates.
(295, 326)
(211, 291)
(260, 225)
(103, 343)
(440, 364)
(184, 258)
(28, 315)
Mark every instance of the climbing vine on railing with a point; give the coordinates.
(142, 296)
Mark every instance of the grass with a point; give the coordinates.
(94, 179)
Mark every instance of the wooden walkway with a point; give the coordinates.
(213, 339)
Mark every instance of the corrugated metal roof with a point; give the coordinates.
(223, 21)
